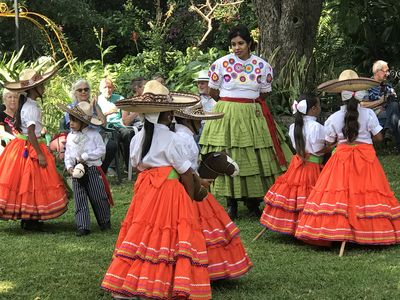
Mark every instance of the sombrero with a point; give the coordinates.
(83, 111)
(348, 81)
(196, 112)
(29, 78)
(157, 98)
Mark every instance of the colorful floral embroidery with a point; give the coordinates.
(243, 78)
(248, 68)
(215, 77)
(231, 61)
(257, 70)
(227, 77)
(261, 64)
(238, 67)
(254, 61)
(212, 67)
(229, 69)
(259, 79)
(252, 77)
(234, 75)
(269, 78)
(225, 64)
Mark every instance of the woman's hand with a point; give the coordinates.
(42, 160)
(206, 182)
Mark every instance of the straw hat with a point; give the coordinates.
(202, 76)
(29, 78)
(196, 112)
(83, 111)
(348, 81)
(157, 98)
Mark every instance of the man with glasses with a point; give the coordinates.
(383, 100)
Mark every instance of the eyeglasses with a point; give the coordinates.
(385, 71)
(83, 90)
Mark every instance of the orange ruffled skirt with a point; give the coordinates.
(351, 201)
(227, 257)
(285, 200)
(28, 191)
(160, 251)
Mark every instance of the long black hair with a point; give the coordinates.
(351, 125)
(148, 128)
(18, 121)
(244, 33)
(299, 140)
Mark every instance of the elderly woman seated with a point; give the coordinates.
(7, 112)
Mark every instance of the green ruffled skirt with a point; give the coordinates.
(244, 135)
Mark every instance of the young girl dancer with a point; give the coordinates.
(286, 198)
(352, 200)
(30, 187)
(160, 252)
(227, 257)
(85, 146)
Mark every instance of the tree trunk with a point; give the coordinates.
(288, 24)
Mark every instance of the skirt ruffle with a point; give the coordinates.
(28, 191)
(227, 257)
(246, 138)
(160, 252)
(352, 201)
(286, 198)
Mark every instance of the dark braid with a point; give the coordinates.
(148, 128)
(311, 100)
(351, 125)
(18, 121)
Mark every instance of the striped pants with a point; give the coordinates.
(92, 188)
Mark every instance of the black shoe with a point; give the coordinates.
(105, 226)
(82, 232)
(32, 225)
(232, 208)
(254, 208)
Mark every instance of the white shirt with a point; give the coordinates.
(86, 145)
(207, 102)
(313, 133)
(31, 115)
(238, 78)
(367, 119)
(166, 150)
(191, 149)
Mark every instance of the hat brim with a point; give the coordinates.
(202, 79)
(148, 103)
(337, 86)
(205, 116)
(92, 121)
(18, 86)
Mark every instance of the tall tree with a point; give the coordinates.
(288, 24)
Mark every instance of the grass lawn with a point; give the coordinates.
(58, 265)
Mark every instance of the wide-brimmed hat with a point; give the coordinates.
(196, 112)
(157, 98)
(348, 81)
(30, 78)
(83, 111)
(202, 76)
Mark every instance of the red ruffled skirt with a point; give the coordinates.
(352, 201)
(160, 252)
(28, 191)
(285, 200)
(227, 258)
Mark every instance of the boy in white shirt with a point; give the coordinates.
(85, 146)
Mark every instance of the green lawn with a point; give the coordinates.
(58, 265)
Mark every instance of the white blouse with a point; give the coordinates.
(31, 115)
(314, 135)
(238, 78)
(166, 150)
(367, 119)
(191, 149)
(86, 145)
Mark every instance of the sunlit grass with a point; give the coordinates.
(59, 265)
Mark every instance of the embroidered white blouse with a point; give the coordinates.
(187, 139)
(31, 115)
(238, 78)
(367, 119)
(314, 135)
(166, 150)
(86, 145)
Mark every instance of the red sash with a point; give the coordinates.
(270, 123)
(106, 185)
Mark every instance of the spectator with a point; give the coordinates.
(383, 100)
(106, 101)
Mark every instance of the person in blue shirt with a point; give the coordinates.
(383, 100)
